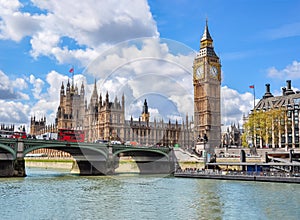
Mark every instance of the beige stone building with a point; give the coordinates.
(102, 119)
(283, 132)
(207, 80)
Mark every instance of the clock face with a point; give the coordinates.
(200, 72)
(214, 71)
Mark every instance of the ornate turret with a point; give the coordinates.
(68, 86)
(145, 113)
(107, 98)
(123, 102)
(206, 35)
(62, 89)
(94, 97)
(206, 40)
(100, 100)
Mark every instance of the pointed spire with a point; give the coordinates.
(68, 87)
(62, 89)
(94, 96)
(145, 107)
(107, 97)
(95, 93)
(82, 90)
(95, 84)
(100, 100)
(206, 34)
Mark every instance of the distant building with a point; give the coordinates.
(232, 136)
(283, 130)
(37, 125)
(4, 127)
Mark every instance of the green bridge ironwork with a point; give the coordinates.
(92, 158)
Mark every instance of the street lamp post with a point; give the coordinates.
(205, 139)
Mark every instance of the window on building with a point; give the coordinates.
(289, 114)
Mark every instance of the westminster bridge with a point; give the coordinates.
(90, 158)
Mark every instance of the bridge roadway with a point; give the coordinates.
(90, 158)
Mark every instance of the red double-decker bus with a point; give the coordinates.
(19, 134)
(70, 135)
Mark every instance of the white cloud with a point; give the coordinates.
(291, 71)
(144, 68)
(94, 25)
(10, 89)
(234, 105)
(8, 7)
(37, 84)
(20, 83)
(14, 112)
(14, 24)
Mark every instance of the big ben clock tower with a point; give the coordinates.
(207, 81)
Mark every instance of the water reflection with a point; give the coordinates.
(209, 204)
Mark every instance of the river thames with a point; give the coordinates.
(52, 194)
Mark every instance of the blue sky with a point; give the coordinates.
(258, 42)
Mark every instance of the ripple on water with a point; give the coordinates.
(49, 194)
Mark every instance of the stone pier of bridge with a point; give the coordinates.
(13, 163)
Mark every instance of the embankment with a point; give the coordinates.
(55, 163)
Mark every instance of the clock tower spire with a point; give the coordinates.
(207, 92)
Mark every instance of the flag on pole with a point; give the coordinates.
(252, 87)
(71, 70)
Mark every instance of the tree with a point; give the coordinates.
(264, 127)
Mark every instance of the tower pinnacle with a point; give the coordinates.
(206, 34)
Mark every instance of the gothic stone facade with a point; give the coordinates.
(207, 80)
(105, 120)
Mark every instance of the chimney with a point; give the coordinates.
(283, 91)
(288, 84)
(268, 94)
(289, 90)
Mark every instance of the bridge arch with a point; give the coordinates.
(67, 147)
(145, 160)
(141, 150)
(9, 149)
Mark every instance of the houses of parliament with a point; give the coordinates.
(104, 119)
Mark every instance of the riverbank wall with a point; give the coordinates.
(125, 164)
(258, 178)
(54, 163)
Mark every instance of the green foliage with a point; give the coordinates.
(244, 140)
(265, 125)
